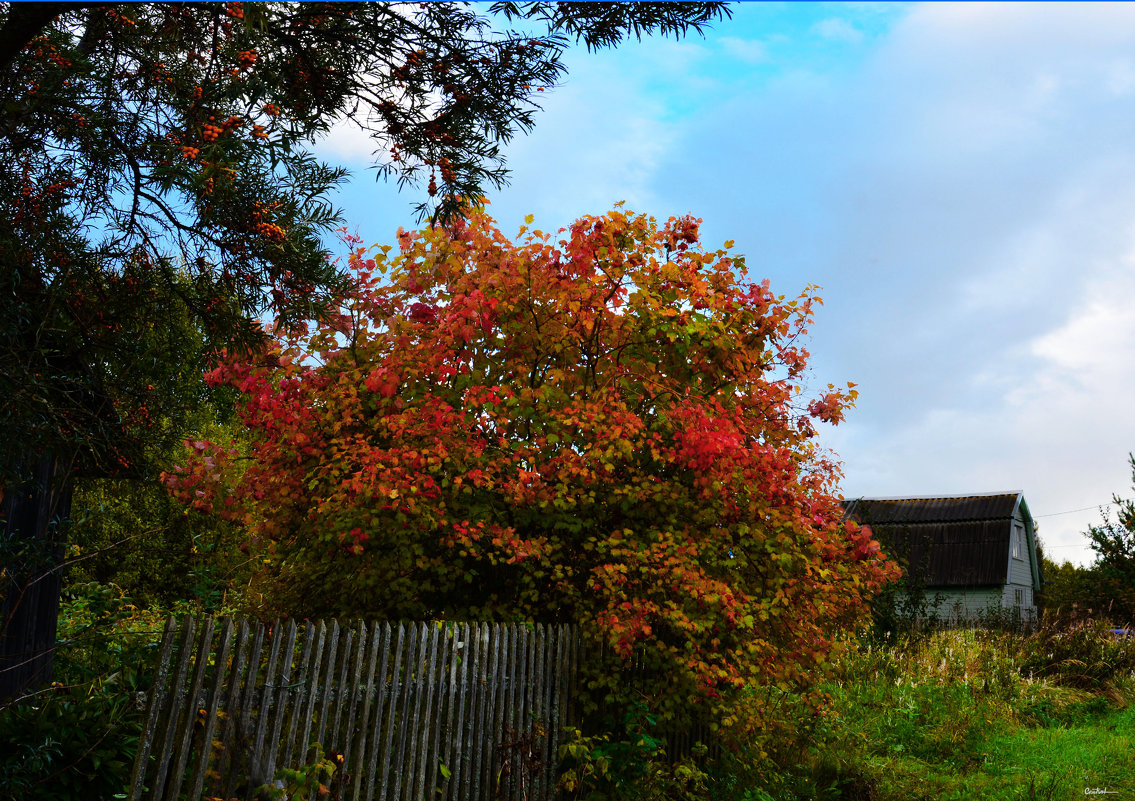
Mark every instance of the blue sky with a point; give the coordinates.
(960, 180)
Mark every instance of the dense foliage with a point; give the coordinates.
(159, 153)
(158, 196)
(606, 429)
(1113, 542)
(1104, 589)
(131, 533)
(1067, 589)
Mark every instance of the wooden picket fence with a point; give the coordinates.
(405, 711)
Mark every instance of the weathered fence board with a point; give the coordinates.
(453, 712)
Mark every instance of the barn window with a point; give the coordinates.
(1018, 597)
(1018, 540)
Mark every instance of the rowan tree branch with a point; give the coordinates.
(26, 21)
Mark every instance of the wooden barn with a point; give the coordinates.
(975, 552)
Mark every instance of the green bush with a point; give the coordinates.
(633, 767)
(69, 743)
(77, 738)
(320, 777)
(132, 533)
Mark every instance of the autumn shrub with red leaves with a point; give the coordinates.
(605, 427)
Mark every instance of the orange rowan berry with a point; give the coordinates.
(114, 15)
(270, 231)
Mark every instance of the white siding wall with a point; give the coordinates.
(1020, 570)
(972, 603)
(967, 603)
(1020, 574)
(1028, 603)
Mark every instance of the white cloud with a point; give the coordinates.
(1120, 77)
(605, 134)
(574, 163)
(1092, 352)
(347, 142)
(750, 51)
(1025, 27)
(838, 30)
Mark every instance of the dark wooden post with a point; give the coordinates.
(33, 517)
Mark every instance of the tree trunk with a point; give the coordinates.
(33, 517)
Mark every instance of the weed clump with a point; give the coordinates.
(1084, 655)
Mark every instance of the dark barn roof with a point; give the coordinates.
(959, 541)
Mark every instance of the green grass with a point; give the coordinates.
(973, 715)
(1047, 763)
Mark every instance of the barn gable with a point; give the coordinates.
(976, 545)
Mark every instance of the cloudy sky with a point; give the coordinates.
(960, 180)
